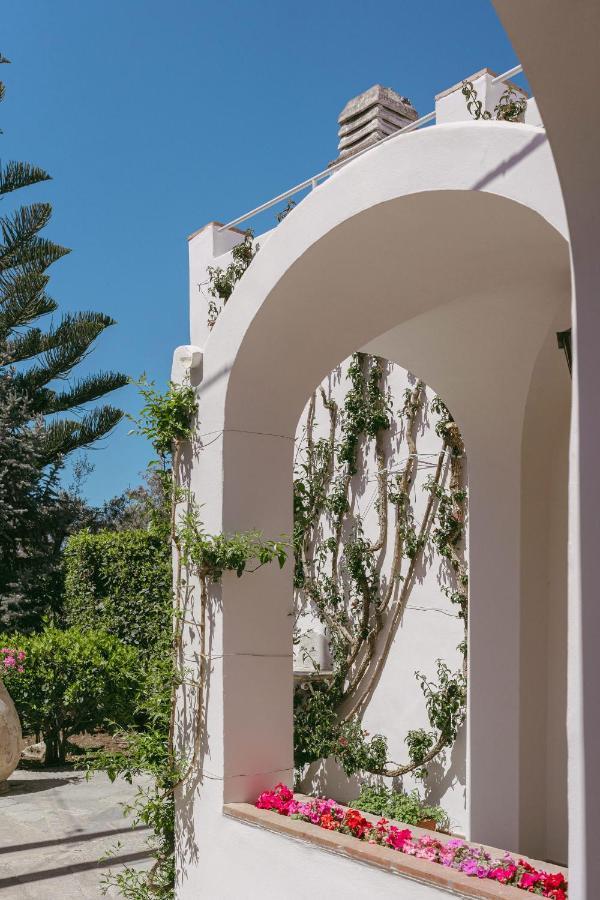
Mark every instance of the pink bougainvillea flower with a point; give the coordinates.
(10, 662)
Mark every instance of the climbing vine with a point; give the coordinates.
(342, 574)
(510, 107)
(222, 281)
(167, 420)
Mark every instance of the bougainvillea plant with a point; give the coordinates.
(11, 660)
(455, 853)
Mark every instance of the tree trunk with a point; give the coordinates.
(56, 749)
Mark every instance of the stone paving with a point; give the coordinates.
(60, 833)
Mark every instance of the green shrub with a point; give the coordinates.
(73, 681)
(146, 752)
(408, 808)
(317, 735)
(121, 582)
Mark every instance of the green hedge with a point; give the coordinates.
(72, 681)
(121, 582)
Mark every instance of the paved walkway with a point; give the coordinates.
(56, 830)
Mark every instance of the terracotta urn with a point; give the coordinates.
(10, 737)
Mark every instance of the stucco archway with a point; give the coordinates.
(445, 252)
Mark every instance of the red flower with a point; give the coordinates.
(356, 822)
(327, 814)
(328, 822)
(504, 873)
(529, 880)
(554, 880)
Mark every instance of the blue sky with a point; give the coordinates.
(157, 117)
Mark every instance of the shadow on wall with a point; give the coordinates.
(326, 778)
(448, 771)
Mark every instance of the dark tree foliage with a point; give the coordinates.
(24, 488)
(36, 515)
(43, 416)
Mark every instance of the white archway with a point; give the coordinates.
(467, 219)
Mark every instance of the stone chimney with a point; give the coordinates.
(370, 117)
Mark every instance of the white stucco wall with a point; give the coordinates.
(544, 602)
(551, 38)
(430, 628)
(440, 212)
(241, 862)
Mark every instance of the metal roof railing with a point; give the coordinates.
(314, 180)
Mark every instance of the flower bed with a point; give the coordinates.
(455, 853)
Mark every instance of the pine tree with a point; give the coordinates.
(22, 481)
(42, 411)
(33, 517)
(39, 357)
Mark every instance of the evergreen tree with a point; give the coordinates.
(22, 482)
(42, 414)
(42, 356)
(35, 517)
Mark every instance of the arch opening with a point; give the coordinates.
(381, 592)
(465, 289)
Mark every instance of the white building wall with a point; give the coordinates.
(550, 40)
(430, 628)
(446, 197)
(241, 862)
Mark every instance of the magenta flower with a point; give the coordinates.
(471, 860)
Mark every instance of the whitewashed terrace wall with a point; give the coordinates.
(430, 628)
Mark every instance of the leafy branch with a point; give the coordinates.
(212, 555)
(167, 420)
(222, 281)
(510, 107)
